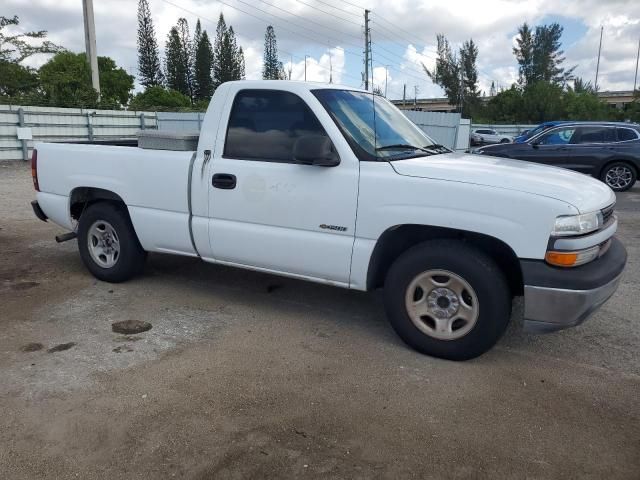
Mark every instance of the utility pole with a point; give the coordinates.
(367, 48)
(90, 43)
(386, 70)
(415, 96)
(290, 66)
(598, 64)
(404, 94)
(635, 79)
(305, 67)
(330, 69)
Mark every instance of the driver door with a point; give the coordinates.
(269, 212)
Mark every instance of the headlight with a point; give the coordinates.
(577, 224)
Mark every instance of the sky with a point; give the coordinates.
(329, 34)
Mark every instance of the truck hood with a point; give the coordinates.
(585, 193)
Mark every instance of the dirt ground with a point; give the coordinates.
(246, 375)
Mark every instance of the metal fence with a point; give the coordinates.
(21, 127)
(448, 129)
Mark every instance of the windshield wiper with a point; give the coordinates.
(401, 146)
(437, 147)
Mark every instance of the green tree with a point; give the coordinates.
(505, 107)
(66, 82)
(203, 64)
(186, 54)
(469, 75)
(524, 55)
(176, 65)
(541, 102)
(18, 82)
(159, 98)
(539, 55)
(149, 66)
(585, 105)
(446, 73)
(228, 58)
(272, 68)
(17, 48)
(582, 86)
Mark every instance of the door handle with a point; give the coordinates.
(225, 181)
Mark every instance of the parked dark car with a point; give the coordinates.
(608, 151)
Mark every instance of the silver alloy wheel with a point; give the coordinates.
(104, 244)
(619, 177)
(442, 304)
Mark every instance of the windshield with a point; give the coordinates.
(394, 135)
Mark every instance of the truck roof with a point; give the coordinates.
(291, 85)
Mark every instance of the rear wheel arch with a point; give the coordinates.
(400, 238)
(81, 198)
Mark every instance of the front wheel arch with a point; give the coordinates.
(398, 239)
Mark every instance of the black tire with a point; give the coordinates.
(131, 256)
(617, 186)
(505, 140)
(473, 266)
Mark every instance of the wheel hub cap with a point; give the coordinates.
(103, 243)
(619, 177)
(442, 304)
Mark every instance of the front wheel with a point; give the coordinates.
(108, 244)
(447, 299)
(620, 176)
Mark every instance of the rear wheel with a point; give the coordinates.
(505, 140)
(620, 176)
(447, 299)
(108, 243)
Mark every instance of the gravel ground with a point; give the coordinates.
(248, 375)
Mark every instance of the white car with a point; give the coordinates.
(296, 179)
(487, 136)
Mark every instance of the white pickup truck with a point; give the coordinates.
(334, 185)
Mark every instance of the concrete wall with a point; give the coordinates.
(448, 129)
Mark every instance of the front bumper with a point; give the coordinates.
(557, 298)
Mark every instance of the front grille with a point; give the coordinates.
(607, 213)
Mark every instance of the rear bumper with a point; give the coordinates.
(38, 211)
(557, 298)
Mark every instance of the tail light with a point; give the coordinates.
(34, 169)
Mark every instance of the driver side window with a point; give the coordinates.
(264, 125)
(560, 136)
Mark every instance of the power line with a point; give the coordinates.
(307, 20)
(331, 14)
(223, 2)
(337, 8)
(213, 22)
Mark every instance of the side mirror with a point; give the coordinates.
(535, 143)
(315, 150)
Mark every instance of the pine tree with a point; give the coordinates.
(149, 67)
(540, 57)
(228, 58)
(469, 72)
(203, 64)
(186, 54)
(271, 68)
(176, 74)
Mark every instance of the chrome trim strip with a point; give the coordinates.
(586, 241)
